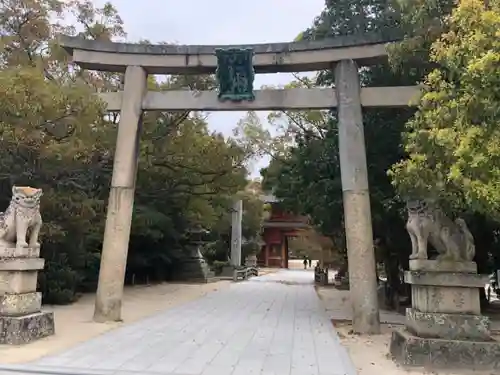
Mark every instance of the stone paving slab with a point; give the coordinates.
(270, 325)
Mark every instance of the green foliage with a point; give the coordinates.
(422, 22)
(55, 135)
(253, 213)
(453, 139)
(340, 18)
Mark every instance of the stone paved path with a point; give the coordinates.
(270, 325)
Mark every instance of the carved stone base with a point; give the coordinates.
(442, 266)
(411, 350)
(444, 327)
(448, 326)
(20, 304)
(446, 292)
(17, 282)
(16, 330)
(11, 251)
(194, 270)
(21, 264)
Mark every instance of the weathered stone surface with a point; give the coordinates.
(20, 304)
(16, 282)
(74, 43)
(116, 239)
(193, 268)
(444, 327)
(411, 350)
(368, 48)
(267, 100)
(450, 279)
(16, 330)
(21, 222)
(427, 223)
(21, 264)
(19, 252)
(449, 300)
(448, 326)
(356, 198)
(274, 324)
(236, 232)
(442, 266)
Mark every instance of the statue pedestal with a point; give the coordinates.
(444, 327)
(21, 318)
(194, 268)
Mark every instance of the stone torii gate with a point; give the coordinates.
(344, 55)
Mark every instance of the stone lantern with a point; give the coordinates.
(193, 267)
(197, 235)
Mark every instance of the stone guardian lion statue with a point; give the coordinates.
(22, 218)
(427, 223)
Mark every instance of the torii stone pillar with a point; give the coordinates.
(357, 213)
(121, 199)
(236, 218)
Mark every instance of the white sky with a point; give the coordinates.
(220, 22)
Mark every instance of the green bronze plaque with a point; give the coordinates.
(235, 74)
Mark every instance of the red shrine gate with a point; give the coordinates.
(276, 229)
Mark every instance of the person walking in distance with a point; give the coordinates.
(310, 262)
(305, 262)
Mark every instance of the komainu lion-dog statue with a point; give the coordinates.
(22, 218)
(427, 223)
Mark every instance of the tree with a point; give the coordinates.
(421, 22)
(452, 140)
(51, 126)
(56, 135)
